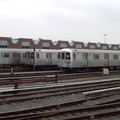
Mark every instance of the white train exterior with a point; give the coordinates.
(76, 59)
(42, 58)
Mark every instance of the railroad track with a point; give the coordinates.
(28, 73)
(27, 77)
(47, 76)
(65, 102)
(86, 112)
(14, 69)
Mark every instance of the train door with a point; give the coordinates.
(49, 58)
(61, 59)
(26, 57)
(85, 59)
(106, 59)
(15, 58)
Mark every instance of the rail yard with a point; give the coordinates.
(54, 95)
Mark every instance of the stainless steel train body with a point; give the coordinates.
(41, 58)
(22, 55)
(12, 57)
(9, 57)
(84, 58)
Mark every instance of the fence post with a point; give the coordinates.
(12, 71)
(56, 78)
(15, 85)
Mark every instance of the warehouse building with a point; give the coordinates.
(27, 43)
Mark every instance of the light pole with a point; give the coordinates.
(34, 59)
(104, 37)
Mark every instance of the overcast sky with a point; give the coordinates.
(78, 20)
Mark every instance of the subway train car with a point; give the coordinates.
(12, 57)
(42, 59)
(22, 55)
(9, 57)
(78, 59)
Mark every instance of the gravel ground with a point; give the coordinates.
(56, 100)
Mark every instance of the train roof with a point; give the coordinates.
(90, 50)
(46, 50)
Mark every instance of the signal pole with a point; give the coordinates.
(34, 59)
(104, 37)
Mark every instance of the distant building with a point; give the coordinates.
(27, 43)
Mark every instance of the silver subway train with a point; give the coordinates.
(42, 58)
(68, 59)
(78, 59)
(12, 57)
(38, 58)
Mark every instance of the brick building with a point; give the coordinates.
(27, 43)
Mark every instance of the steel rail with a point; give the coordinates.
(41, 97)
(59, 90)
(69, 111)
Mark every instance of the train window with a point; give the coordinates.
(63, 55)
(32, 55)
(24, 55)
(95, 56)
(50, 55)
(37, 55)
(17, 55)
(115, 56)
(106, 56)
(67, 55)
(46, 55)
(6, 54)
(14, 55)
(74, 56)
(84, 56)
(28, 54)
(58, 55)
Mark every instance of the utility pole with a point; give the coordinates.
(34, 59)
(104, 37)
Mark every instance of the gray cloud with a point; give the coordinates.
(83, 20)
